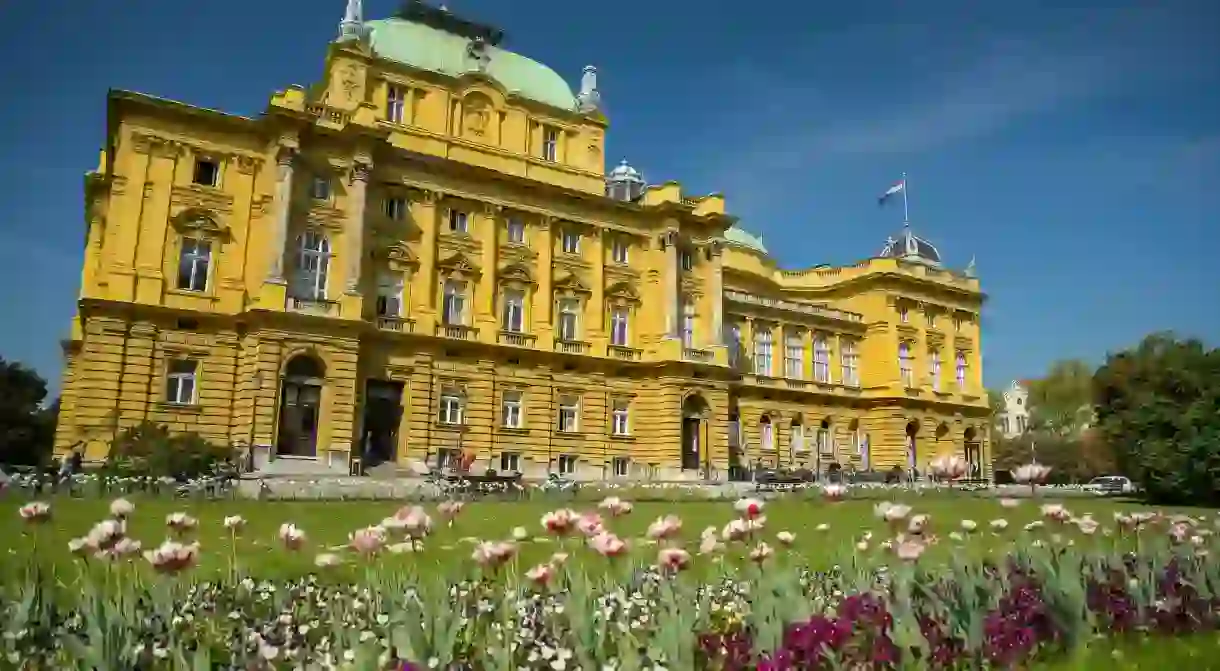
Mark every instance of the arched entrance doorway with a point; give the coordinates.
(972, 451)
(300, 407)
(694, 414)
(912, 433)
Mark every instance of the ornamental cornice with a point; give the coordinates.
(195, 196)
(173, 147)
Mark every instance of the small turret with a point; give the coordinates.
(589, 99)
(351, 28)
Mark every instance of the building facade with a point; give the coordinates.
(1013, 420)
(423, 255)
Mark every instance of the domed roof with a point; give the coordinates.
(910, 247)
(435, 50)
(624, 172)
(743, 238)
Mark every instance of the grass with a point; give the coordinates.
(328, 524)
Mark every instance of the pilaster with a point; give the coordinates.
(423, 293)
(282, 204)
(669, 279)
(716, 290)
(544, 300)
(487, 231)
(354, 224)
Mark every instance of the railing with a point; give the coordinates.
(516, 339)
(456, 331)
(780, 304)
(396, 324)
(317, 306)
(327, 113)
(571, 346)
(623, 352)
(696, 354)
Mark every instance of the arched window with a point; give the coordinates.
(313, 266)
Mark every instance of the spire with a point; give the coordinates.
(971, 271)
(589, 98)
(351, 28)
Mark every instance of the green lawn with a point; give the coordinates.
(328, 524)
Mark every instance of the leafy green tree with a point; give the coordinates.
(1062, 401)
(1158, 407)
(27, 431)
(152, 449)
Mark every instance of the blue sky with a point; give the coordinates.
(1074, 151)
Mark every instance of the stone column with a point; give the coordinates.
(282, 206)
(669, 246)
(717, 292)
(354, 226)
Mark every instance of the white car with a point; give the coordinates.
(1111, 484)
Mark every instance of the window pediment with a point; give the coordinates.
(198, 220)
(571, 284)
(398, 256)
(459, 265)
(516, 274)
(623, 293)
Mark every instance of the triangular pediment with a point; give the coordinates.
(571, 283)
(459, 263)
(399, 255)
(623, 291)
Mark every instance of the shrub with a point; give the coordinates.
(152, 450)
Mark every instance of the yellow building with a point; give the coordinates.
(424, 254)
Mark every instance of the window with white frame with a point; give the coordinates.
(566, 464)
(686, 259)
(514, 310)
(313, 266)
(569, 414)
(961, 368)
(850, 361)
(512, 409)
(618, 251)
(453, 305)
(207, 172)
(389, 294)
(570, 241)
(934, 367)
(762, 352)
(395, 207)
(688, 322)
(459, 221)
(620, 419)
(569, 319)
(510, 462)
(904, 315)
(906, 365)
(825, 445)
(619, 316)
(181, 382)
(319, 187)
(194, 260)
(515, 230)
(766, 439)
(821, 359)
(396, 104)
(794, 355)
(550, 144)
(452, 406)
(796, 437)
(620, 466)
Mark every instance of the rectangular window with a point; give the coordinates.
(851, 363)
(619, 424)
(396, 103)
(904, 315)
(515, 231)
(821, 359)
(688, 323)
(618, 326)
(762, 353)
(452, 408)
(395, 208)
(686, 259)
(512, 410)
(961, 369)
(794, 356)
(621, 466)
(618, 251)
(458, 221)
(931, 317)
(180, 382)
(207, 172)
(571, 242)
(550, 144)
(514, 310)
(569, 414)
(934, 366)
(796, 437)
(193, 263)
(569, 319)
(453, 309)
(319, 188)
(566, 464)
(389, 295)
(957, 323)
(510, 462)
(906, 365)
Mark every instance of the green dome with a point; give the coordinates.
(743, 238)
(438, 51)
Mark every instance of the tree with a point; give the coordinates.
(1062, 402)
(27, 431)
(1158, 407)
(151, 449)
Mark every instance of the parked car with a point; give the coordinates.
(1110, 484)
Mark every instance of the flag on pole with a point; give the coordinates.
(892, 191)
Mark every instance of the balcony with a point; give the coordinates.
(456, 331)
(313, 306)
(571, 346)
(697, 355)
(516, 339)
(395, 324)
(623, 352)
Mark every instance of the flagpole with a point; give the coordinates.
(906, 218)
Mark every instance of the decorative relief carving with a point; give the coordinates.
(715, 248)
(516, 273)
(458, 243)
(623, 292)
(398, 256)
(571, 284)
(361, 170)
(118, 185)
(350, 80)
(286, 156)
(459, 265)
(324, 216)
(195, 220)
(691, 285)
(247, 165)
(477, 113)
(200, 197)
(516, 253)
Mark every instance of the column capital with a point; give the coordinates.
(361, 171)
(286, 156)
